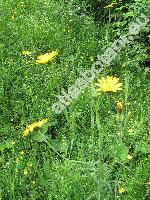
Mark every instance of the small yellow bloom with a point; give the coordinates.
(45, 58)
(17, 160)
(13, 16)
(91, 58)
(26, 53)
(30, 165)
(110, 5)
(68, 30)
(121, 190)
(25, 171)
(148, 183)
(110, 84)
(119, 133)
(130, 131)
(31, 127)
(16, 170)
(129, 157)
(119, 106)
(21, 4)
(21, 153)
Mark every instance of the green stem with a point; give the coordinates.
(100, 142)
(120, 121)
(109, 100)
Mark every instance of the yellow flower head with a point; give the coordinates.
(45, 58)
(110, 84)
(130, 131)
(121, 190)
(21, 152)
(25, 171)
(119, 106)
(31, 127)
(13, 142)
(129, 157)
(26, 53)
(91, 58)
(30, 165)
(13, 15)
(17, 170)
(17, 160)
(110, 5)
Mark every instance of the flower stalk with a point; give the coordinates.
(120, 115)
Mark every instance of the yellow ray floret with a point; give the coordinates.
(129, 157)
(110, 5)
(45, 58)
(121, 190)
(31, 127)
(110, 84)
(26, 53)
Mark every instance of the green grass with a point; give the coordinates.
(83, 157)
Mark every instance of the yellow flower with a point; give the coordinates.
(130, 131)
(17, 160)
(45, 58)
(26, 53)
(129, 157)
(25, 171)
(110, 5)
(110, 84)
(13, 142)
(13, 15)
(148, 183)
(119, 106)
(17, 170)
(91, 58)
(21, 152)
(21, 4)
(119, 133)
(30, 165)
(121, 190)
(31, 127)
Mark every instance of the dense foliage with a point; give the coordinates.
(91, 150)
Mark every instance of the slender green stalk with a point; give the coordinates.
(100, 142)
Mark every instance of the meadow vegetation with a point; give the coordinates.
(98, 147)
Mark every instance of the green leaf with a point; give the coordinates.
(61, 146)
(2, 146)
(44, 128)
(64, 145)
(119, 152)
(38, 136)
(70, 58)
(56, 145)
(6, 145)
